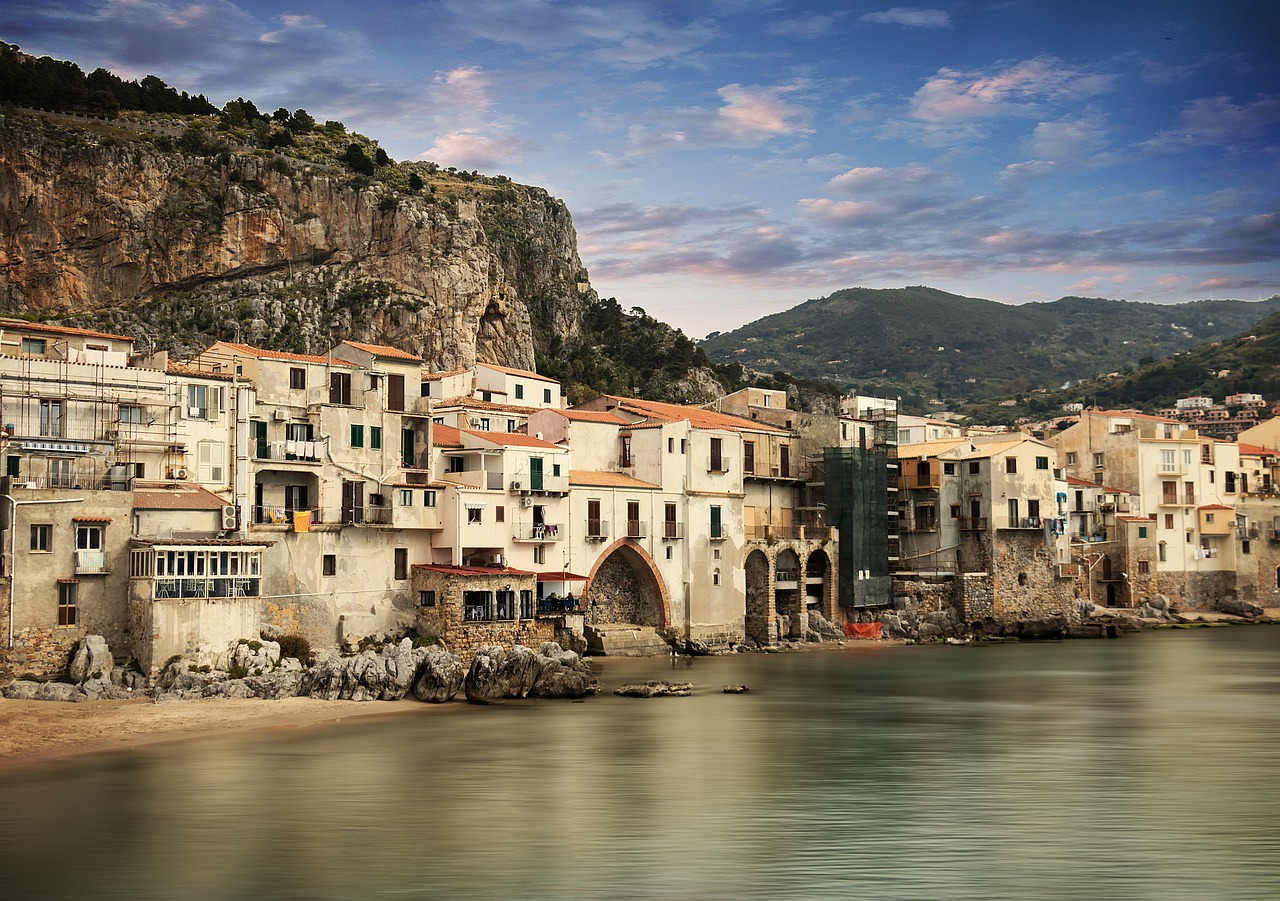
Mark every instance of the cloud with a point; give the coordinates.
(1021, 89)
(807, 27)
(1071, 140)
(616, 34)
(643, 143)
(753, 115)
(910, 17)
(471, 150)
(1221, 122)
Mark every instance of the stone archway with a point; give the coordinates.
(626, 587)
(817, 581)
(788, 598)
(760, 625)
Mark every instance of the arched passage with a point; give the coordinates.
(788, 598)
(626, 587)
(759, 625)
(817, 580)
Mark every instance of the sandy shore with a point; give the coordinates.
(34, 731)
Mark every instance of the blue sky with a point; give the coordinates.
(726, 160)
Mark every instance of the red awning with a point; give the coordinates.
(561, 576)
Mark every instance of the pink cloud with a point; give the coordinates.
(752, 115)
(956, 95)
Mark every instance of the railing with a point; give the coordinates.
(972, 523)
(787, 575)
(557, 605)
(915, 480)
(626, 461)
(719, 464)
(367, 516)
(545, 532)
(91, 563)
(597, 529)
(637, 529)
(281, 515)
(205, 587)
(672, 531)
(1027, 522)
(1177, 500)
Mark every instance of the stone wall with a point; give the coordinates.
(44, 652)
(1025, 583)
(1196, 591)
(618, 596)
(928, 597)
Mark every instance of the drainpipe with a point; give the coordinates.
(13, 541)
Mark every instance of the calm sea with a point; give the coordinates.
(1145, 768)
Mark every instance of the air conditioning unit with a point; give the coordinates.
(515, 486)
(230, 517)
(178, 474)
(495, 559)
(279, 415)
(526, 501)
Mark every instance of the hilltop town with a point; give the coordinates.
(178, 507)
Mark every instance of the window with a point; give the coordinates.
(975, 467)
(717, 527)
(33, 347)
(357, 436)
(88, 538)
(1033, 508)
(297, 378)
(60, 473)
(425, 390)
(1168, 461)
(717, 458)
(483, 425)
(426, 598)
(948, 469)
(1229, 483)
(457, 464)
(715, 576)
(1208, 518)
(1244, 546)
(955, 511)
(1160, 552)
(41, 536)
(1186, 457)
(203, 401)
(330, 565)
(1168, 520)
(1097, 460)
(486, 396)
(131, 414)
(519, 391)
(1042, 462)
(340, 388)
(210, 459)
(477, 606)
(1010, 464)
(67, 613)
(1013, 511)
(428, 498)
(500, 513)
(1072, 459)
(526, 603)
(395, 392)
(539, 554)
(401, 556)
(473, 514)
(546, 395)
(51, 418)
(784, 461)
(375, 437)
(406, 497)
(511, 425)
(1142, 531)
(671, 445)
(593, 519)
(13, 466)
(1144, 567)
(748, 457)
(683, 444)
(668, 552)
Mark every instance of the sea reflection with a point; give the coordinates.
(1142, 768)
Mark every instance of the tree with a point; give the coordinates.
(357, 161)
(415, 182)
(381, 158)
(300, 122)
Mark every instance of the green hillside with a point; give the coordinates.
(922, 343)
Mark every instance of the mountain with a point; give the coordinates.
(921, 343)
(163, 218)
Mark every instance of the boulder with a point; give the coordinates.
(735, 689)
(1237, 607)
(518, 670)
(40, 691)
(823, 627)
(255, 658)
(482, 674)
(655, 689)
(562, 674)
(439, 678)
(93, 656)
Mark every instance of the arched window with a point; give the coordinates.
(1160, 552)
(715, 576)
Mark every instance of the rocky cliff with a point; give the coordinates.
(181, 234)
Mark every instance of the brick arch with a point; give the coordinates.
(634, 554)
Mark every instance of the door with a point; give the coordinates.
(395, 392)
(535, 473)
(633, 519)
(669, 523)
(353, 502)
(407, 456)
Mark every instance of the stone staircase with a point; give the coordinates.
(624, 640)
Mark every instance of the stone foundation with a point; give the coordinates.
(43, 652)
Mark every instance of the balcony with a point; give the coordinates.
(597, 530)
(371, 515)
(911, 481)
(1176, 499)
(636, 529)
(267, 515)
(719, 465)
(786, 579)
(544, 532)
(972, 523)
(672, 531)
(1027, 522)
(92, 563)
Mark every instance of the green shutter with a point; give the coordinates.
(357, 436)
(260, 440)
(375, 437)
(715, 522)
(535, 473)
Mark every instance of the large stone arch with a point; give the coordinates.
(760, 624)
(819, 581)
(626, 587)
(788, 596)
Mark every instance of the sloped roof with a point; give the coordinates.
(1085, 483)
(930, 448)
(197, 372)
(466, 402)
(384, 350)
(591, 479)
(698, 417)
(992, 448)
(471, 570)
(512, 439)
(1124, 414)
(520, 372)
(445, 436)
(592, 416)
(1256, 450)
(60, 329)
(262, 354)
(433, 376)
(175, 497)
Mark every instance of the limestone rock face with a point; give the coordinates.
(552, 672)
(93, 656)
(181, 249)
(439, 678)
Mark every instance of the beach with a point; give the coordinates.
(36, 731)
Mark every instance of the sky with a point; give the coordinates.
(728, 159)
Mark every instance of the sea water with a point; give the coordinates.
(1144, 768)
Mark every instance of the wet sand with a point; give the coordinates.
(36, 731)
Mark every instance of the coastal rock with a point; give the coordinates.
(23, 690)
(439, 678)
(93, 656)
(1237, 607)
(367, 676)
(562, 674)
(100, 690)
(482, 674)
(518, 670)
(254, 657)
(735, 690)
(655, 689)
(823, 627)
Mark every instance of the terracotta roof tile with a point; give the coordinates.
(588, 478)
(698, 417)
(52, 329)
(521, 372)
(512, 439)
(261, 354)
(385, 350)
(186, 497)
(592, 416)
(445, 436)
